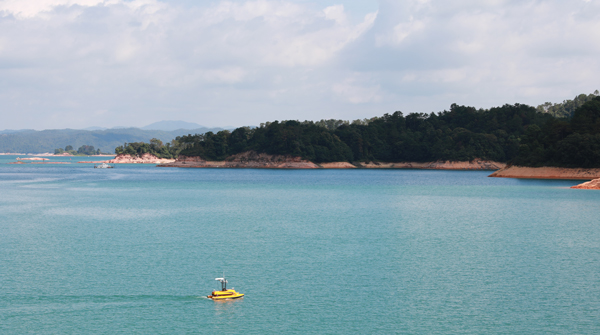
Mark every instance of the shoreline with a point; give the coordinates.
(52, 155)
(589, 185)
(546, 172)
(128, 159)
(253, 160)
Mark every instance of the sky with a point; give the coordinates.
(83, 63)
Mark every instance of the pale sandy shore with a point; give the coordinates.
(66, 154)
(128, 159)
(50, 162)
(32, 159)
(546, 173)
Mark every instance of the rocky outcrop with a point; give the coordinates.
(546, 173)
(248, 159)
(590, 185)
(144, 159)
(476, 164)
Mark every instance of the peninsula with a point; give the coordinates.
(518, 140)
(590, 185)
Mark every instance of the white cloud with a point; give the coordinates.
(29, 9)
(258, 60)
(354, 91)
(225, 75)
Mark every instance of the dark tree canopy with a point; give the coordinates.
(84, 150)
(517, 134)
(155, 147)
(566, 108)
(571, 142)
(462, 133)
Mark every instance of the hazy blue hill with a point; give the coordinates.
(32, 141)
(172, 125)
(95, 128)
(12, 131)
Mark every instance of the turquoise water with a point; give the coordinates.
(136, 248)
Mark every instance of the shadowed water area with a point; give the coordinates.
(135, 249)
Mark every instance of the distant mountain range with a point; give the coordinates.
(11, 131)
(33, 141)
(160, 125)
(172, 125)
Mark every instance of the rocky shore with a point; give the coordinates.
(248, 159)
(590, 185)
(546, 173)
(128, 159)
(337, 165)
(252, 159)
(144, 159)
(476, 164)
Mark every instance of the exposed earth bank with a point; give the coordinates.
(589, 185)
(476, 164)
(546, 173)
(252, 159)
(248, 159)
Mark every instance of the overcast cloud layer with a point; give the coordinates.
(82, 63)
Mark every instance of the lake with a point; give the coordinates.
(136, 249)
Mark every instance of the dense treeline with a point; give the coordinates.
(462, 133)
(84, 150)
(155, 147)
(568, 107)
(517, 133)
(573, 142)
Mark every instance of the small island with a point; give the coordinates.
(84, 150)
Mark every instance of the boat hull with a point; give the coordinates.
(225, 295)
(226, 298)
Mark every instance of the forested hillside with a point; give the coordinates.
(517, 134)
(462, 133)
(573, 142)
(567, 108)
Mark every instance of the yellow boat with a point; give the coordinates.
(224, 293)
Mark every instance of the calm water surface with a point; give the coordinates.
(136, 248)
